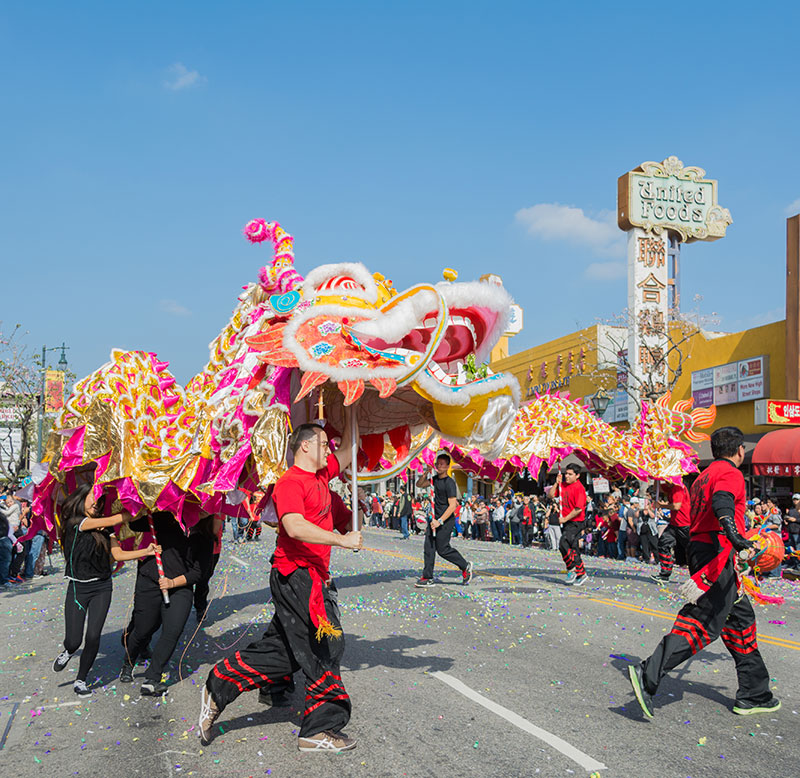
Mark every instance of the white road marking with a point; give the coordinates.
(59, 705)
(240, 561)
(585, 761)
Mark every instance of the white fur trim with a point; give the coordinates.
(691, 591)
(354, 270)
(481, 294)
(463, 394)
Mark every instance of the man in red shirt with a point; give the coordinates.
(716, 606)
(305, 632)
(676, 533)
(572, 519)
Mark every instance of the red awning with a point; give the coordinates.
(778, 453)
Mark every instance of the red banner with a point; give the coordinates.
(53, 390)
(783, 412)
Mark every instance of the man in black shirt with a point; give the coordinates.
(440, 529)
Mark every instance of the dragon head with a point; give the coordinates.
(408, 358)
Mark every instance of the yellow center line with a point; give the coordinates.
(769, 639)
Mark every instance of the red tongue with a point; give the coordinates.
(372, 445)
(400, 438)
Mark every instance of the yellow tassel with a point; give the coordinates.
(326, 629)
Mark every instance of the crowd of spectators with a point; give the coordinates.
(20, 561)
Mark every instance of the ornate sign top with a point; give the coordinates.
(658, 196)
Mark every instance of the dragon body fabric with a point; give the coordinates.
(550, 428)
(292, 348)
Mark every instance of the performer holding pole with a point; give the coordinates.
(159, 563)
(572, 504)
(716, 606)
(305, 632)
(676, 533)
(445, 500)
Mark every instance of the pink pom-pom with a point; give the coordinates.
(258, 230)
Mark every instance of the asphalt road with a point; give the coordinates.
(451, 681)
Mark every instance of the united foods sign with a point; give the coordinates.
(660, 196)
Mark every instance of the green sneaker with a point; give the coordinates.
(636, 676)
(746, 709)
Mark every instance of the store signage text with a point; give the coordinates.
(782, 412)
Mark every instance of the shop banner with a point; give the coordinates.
(53, 390)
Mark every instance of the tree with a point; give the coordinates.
(20, 385)
(662, 357)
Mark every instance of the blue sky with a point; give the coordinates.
(138, 139)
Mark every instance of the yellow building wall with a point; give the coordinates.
(703, 352)
(538, 368)
(566, 364)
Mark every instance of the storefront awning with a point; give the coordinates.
(778, 453)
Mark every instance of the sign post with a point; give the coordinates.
(660, 205)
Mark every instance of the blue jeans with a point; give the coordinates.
(5, 558)
(404, 526)
(622, 542)
(516, 533)
(33, 554)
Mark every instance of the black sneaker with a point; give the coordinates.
(61, 661)
(659, 579)
(81, 689)
(747, 708)
(424, 583)
(636, 676)
(466, 575)
(126, 674)
(153, 688)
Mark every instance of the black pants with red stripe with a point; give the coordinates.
(671, 537)
(570, 546)
(720, 612)
(288, 645)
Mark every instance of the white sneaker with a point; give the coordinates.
(326, 741)
(61, 661)
(581, 580)
(209, 713)
(80, 688)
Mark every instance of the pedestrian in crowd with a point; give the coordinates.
(572, 518)
(676, 501)
(715, 608)
(553, 526)
(305, 632)
(526, 518)
(6, 543)
(377, 512)
(88, 548)
(647, 529)
(498, 520)
(515, 522)
(440, 529)
(467, 518)
(793, 524)
(482, 520)
(404, 512)
(634, 522)
(623, 503)
(150, 611)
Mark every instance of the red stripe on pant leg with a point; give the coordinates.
(322, 702)
(687, 626)
(690, 638)
(250, 669)
(332, 688)
(699, 625)
(248, 682)
(321, 679)
(225, 678)
(580, 569)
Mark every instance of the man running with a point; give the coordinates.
(572, 520)
(440, 528)
(676, 533)
(305, 632)
(716, 606)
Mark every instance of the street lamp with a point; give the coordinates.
(62, 365)
(600, 402)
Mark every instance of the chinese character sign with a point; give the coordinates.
(648, 303)
(53, 390)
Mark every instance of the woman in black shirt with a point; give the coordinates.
(150, 612)
(88, 547)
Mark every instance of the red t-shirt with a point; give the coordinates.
(720, 476)
(573, 496)
(679, 493)
(298, 491)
